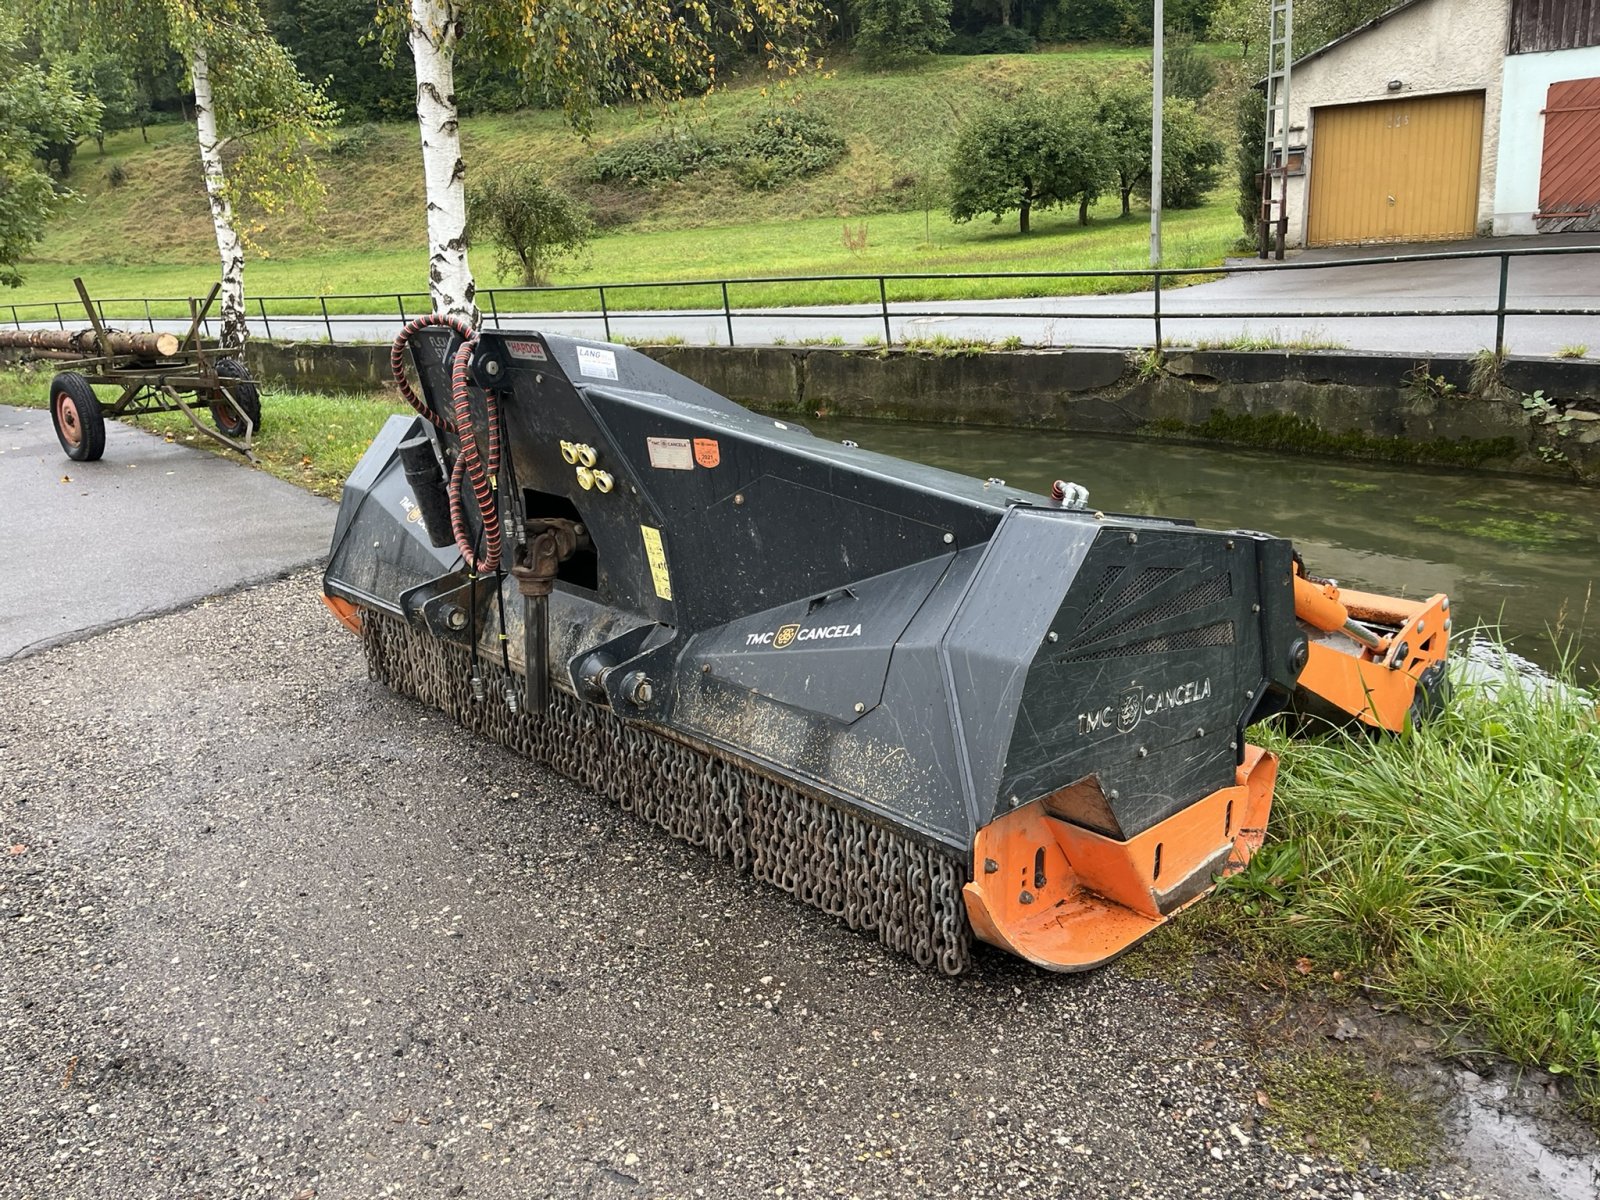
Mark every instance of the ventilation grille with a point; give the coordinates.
(1208, 591)
(1218, 633)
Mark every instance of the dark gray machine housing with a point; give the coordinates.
(924, 647)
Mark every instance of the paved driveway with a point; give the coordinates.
(151, 527)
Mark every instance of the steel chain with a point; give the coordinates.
(878, 880)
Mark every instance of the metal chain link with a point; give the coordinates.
(880, 881)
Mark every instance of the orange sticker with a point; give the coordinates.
(706, 452)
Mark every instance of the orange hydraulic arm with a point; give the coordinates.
(1387, 659)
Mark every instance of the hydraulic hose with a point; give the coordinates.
(478, 470)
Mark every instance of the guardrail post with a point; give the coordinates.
(326, 323)
(60, 321)
(727, 313)
(15, 320)
(494, 308)
(1157, 309)
(605, 313)
(1500, 308)
(883, 305)
(400, 305)
(266, 324)
(148, 319)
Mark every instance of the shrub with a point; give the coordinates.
(667, 156)
(531, 224)
(784, 145)
(996, 39)
(355, 141)
(890, 32)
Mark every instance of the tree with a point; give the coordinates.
(1191, 156)
(531, 223)
(891, 32)
(38, 109)
(584, 54)
(108, 80)
(255, 115)
(1028, 154)
(332, 43)
(1122, 107)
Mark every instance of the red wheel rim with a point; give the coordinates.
(67, 415)
(222, 413)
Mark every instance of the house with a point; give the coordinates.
(1446, 119)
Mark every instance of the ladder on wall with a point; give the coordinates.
(1273, 225)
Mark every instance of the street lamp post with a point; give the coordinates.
(1155, 133)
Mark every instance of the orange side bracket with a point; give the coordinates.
(348, 614)
(1067, 898)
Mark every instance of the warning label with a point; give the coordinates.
(656, 555)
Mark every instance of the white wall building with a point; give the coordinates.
(1445, 119)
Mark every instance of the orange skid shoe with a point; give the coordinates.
(1067, 898)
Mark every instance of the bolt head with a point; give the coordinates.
(860, 707)
(1052, 636)
(949, 538)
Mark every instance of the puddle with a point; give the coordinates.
(1549, 1157)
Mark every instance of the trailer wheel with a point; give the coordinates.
(74, 411)
(245, 392)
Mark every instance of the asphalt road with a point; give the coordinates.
(271, 931)
(1246, 305)
(150, 527)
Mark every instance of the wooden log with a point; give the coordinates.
(84, 342)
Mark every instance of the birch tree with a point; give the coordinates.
(256, 117)
(589, 53)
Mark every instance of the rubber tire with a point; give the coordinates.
(69, 387)
(245, 392)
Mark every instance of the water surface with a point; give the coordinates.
(1520, 553)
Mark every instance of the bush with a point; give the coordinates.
(997, 39)
(665, 157)
(1187, 74)
(354, 142)
(531, 224)
(892, 32)
(117, 175)
(775, 148)
(783, 146)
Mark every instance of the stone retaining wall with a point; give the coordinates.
(1542, 420)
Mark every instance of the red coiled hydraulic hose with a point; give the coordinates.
(481, 471)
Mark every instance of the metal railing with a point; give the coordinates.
(518, 303)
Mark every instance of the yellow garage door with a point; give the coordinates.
(1396, 170)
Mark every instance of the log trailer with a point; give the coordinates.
(937, 708)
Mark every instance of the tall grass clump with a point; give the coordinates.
(1455, 866)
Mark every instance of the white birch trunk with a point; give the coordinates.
(230, 248)
(435, 29)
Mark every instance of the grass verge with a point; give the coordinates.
(1451, 868)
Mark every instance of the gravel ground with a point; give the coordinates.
(270, 931)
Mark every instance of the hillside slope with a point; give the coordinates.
(142, 208)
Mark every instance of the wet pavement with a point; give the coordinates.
(150, 527)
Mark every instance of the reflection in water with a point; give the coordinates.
(1518, 552)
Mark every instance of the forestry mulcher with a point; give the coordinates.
(932, 706)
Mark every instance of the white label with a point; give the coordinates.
(670, 454)
(601, 364)
(523, 349)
